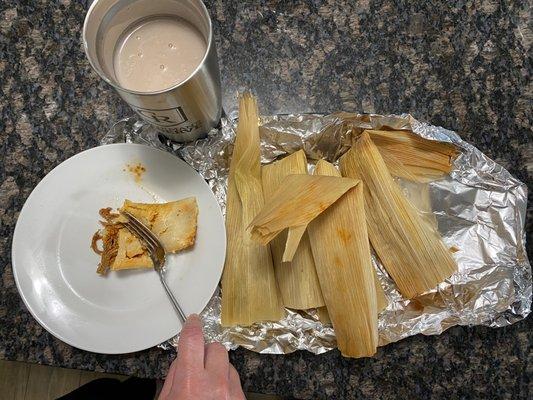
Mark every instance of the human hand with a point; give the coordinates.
(200, 371)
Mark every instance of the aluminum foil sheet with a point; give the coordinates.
(480, 209)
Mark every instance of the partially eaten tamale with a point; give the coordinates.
(422, 158)
(342, 254)
(174, 223)
(411, 251)
(249, 289)
(296, 203)
(297, 279)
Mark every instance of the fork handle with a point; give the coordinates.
(173, 300)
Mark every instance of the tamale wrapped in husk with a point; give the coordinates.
(296, 203)
(325, 168)
(341, 250)
(411, 251)
(249, 289)
(422, 158)
(297, 280)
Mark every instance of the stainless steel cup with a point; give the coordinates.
(184, 112)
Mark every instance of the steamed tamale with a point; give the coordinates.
(422, 158)
(174, 223)
(297, 202)
(325, 168)
(249, 289)
(411, 251)
(341, 250)
(297, 280)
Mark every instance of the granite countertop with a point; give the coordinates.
(464, 66)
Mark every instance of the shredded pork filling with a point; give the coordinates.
(109, 237)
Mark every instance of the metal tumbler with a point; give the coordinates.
(184, 112)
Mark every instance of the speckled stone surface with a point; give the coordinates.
(465, 66)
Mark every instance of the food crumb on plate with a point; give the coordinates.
(137, 170)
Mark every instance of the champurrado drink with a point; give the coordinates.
(160, 57)
(158, 53)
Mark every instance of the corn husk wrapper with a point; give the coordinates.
(342, 255)
(297, 280)
(411, 251)
(301, 199)
(420, 159)
(249, 289)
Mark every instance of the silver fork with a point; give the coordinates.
(157, 254)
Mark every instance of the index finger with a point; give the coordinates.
(191, 344)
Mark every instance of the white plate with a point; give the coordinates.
(55, 268)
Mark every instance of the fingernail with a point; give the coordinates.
(194, 318)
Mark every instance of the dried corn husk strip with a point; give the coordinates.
(249, 289)
(296, 203)
(297, 280)
(411, 252)
(342, 255)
